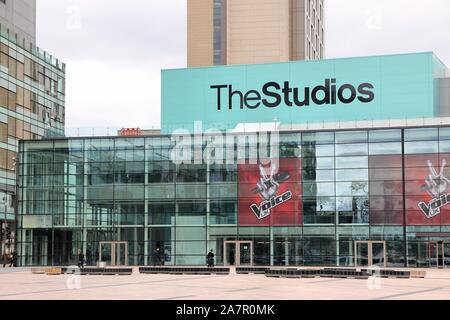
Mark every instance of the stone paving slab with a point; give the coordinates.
(22, 285)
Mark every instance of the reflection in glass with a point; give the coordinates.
(362, 254)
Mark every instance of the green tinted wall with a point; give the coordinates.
(403, 86)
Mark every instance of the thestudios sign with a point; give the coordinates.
(301, 92)
(274, 94)
(437, 185)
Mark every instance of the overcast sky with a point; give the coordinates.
(115, 49)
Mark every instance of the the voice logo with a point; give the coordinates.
(437, 185)
(268, 187)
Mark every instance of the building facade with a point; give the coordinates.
(32, 106)
(391, 87)
(222, 32)
(357, 197)
(19, 16)
(348, 165)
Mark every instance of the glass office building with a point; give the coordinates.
(357, 198)
(32, 106)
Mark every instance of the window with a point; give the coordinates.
(219, 32)
(223, 173)
(422, 134)
(191, 173)
(3, 132)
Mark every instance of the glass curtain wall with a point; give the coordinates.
(359, 191)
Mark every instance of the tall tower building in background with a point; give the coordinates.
(222, 32)
(32, 102)
(19, 16)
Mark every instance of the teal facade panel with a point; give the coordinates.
(403, 87)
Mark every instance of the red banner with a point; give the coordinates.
(427, 189)
(270, 194)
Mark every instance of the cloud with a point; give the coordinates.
(376, 27)
(115, 50)
(112, 97)
(113, 29)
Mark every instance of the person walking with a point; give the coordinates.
(157, 257)
(13, 261)
(210, 259)
(231, 257)
(80, 259)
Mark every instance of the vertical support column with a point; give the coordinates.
(405, 239)
(146, 244)
(251, 254)
(24, 252)
(147, 260)
(53, 248)
(52, 213)
(174, 234)
(208, 205)
(135, 252)
(174, 228)
(15, 205)
(271, 246)
(146, 213)
(84, 244)
(85, 204)
(286, 251)
(114, 245)
(3, 225)
(353, 252)
(338, 263)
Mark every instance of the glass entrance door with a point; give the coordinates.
(114, 253)
(40, 249)
(433, 254)
(238, 253)
(230, 254)
(370, 253)
(106, 253)
(121, 256)
(439, 254)
(446, 254)
(379, 254)
(245, 254)
(362, 254)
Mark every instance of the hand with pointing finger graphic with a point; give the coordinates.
(436, 184)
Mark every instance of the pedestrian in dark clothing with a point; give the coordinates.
(80, 259)
(210, 259)
(232, 257)
(157, 257)
(88, 257)
(13, 261)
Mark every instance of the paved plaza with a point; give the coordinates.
(22, 285)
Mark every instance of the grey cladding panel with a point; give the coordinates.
(444, 88)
